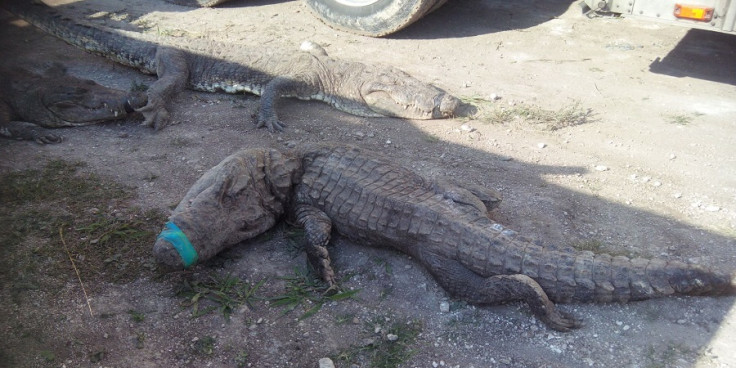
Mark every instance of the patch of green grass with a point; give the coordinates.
(679, 119)
(530, 115)
(44, 208)
(224, 293)
(306, 290)
(391, 348)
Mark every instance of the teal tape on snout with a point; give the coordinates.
(181, 243)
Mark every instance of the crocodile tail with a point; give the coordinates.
(589, 277)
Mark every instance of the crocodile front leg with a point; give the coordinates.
(278, 87)
(467, 285)
(28, 131)
(173, 73)
(317, 227)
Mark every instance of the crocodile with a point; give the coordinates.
(353, 87)
(31, 102)
(370, 200)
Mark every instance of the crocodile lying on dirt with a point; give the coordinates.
(353, 87)
(372, 201)
(31, 102)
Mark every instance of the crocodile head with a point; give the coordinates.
(387, 91)
(236, 200)
(72, 101)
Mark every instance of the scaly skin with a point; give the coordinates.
(370, 200)
(352, 87)
(30, 103)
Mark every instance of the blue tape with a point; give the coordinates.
(181, 243)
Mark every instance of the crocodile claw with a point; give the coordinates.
(155, 115)
(272, 124)
(561, 321)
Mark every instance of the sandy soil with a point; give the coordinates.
(651, 174)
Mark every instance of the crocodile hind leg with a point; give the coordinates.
(317, 228)
(467, 285)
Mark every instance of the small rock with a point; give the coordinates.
(444, 306)
(388, 141)
(494, 97)
(466, 128)
(626, 327)
(681, 321)
(542, 145)
(712, 208)
(657, 183)
(392, 337)
(601, 168)
(326, 363)
(673, 156)
(677, 195)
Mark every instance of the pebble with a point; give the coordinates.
(601, 168)
(444, 306)
(467, 128)
(542, 145)
(326, 363)
(392, 337)
(677, 195)
(712, 208)
(494, 97)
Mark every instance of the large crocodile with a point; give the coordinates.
(367, 198)
(353, 87)
(31, 102)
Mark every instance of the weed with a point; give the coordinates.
(136, 316)
(181, 142)
(241, 360)
(136, 86)
(204, 346)
(679, 119)
(592, 245)
(307, 290)
(431, 138)
(389, 350)
(140, 339)
(225, 293)
(47, 355)
(539, 118)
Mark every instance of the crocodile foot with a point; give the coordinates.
(273, 124)
(561, 321)
(155, 114)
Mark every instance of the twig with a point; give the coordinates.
(61, 235)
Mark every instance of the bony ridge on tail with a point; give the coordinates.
(372, 201)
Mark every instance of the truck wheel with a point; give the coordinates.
(371, 17)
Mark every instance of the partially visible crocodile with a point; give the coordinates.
(353, 87)
(31, 102)
(367, 198)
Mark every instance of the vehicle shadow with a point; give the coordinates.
(468, 18)
(701, 54)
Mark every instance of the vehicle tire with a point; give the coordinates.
(371, 17)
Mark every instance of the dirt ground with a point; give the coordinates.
(652, 172)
